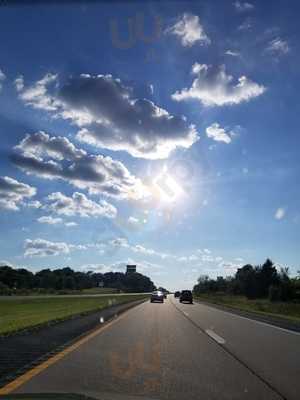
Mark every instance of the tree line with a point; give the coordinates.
(18, 280)
(260, 281)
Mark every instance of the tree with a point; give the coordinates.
(246, 281)
(266, 276)
(8, 276)
(65, 278)
(202, 286)
(286, 285)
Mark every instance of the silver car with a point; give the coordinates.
(157, 296)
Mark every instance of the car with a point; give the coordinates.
(157, 296)
(177, 294)
(186, 295)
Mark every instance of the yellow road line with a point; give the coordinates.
(10, 387)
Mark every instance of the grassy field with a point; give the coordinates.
(43, 292)
(98, 290)
(16, 314)
(290, 311)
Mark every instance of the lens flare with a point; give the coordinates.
(168, 189)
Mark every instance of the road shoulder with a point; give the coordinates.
(260, 317)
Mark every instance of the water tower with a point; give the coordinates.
(130, 269)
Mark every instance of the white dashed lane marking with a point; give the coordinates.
(214, 336)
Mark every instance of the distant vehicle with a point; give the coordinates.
(164, 291)
(157, 296)
(177, 294)
(186, 295)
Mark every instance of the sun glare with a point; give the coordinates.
(168, 189)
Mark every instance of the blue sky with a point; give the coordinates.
(176, 150)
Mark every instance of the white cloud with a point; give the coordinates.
(215, 88)
(189, 29)
(119, 242)
(143, 266)
(70, 224)
(200, 255)
(146, 267)
(2, 78)
(58, 148)
(96, 268)
(137, 248)
(133, 221)
(219, 134)
(278, 46)
(53, 157)
(207, 258)
(14, 193)
(44, 248)
(50, 220)
(280, 213)
(245, 25)
(37, 95)
(34, 204)
(79, 204)
(109, 116)
(229, 267)
(5, 263)
(19, 83)
(243, 6)
(232, 53)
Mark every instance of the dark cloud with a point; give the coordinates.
(13, 193)
(109, 116)
(57, 158)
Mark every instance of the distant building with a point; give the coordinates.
(130, 269)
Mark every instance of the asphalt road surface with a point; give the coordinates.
(178, 351)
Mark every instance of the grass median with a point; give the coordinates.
(18, 314)
(286, 310)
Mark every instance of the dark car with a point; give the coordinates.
(186, 295)
(177, 294)
(157, 296)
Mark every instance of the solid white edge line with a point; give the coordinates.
(214, 336)
(252, 320)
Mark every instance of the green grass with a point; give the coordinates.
(43, 292)
(287, 310)
(98, 290)
(17, 314)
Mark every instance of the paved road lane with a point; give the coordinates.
(154, 351)
(273, 353)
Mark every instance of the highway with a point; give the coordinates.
(175, 351)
